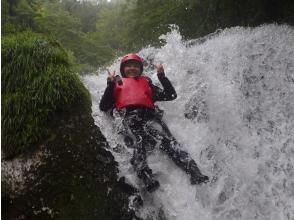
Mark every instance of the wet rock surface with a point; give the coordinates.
(77, 179)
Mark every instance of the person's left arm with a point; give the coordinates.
(168, 92)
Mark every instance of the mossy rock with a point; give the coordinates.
(38, 87)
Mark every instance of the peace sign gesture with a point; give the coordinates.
(111, 76)
(160, 70)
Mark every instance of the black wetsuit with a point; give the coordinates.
(146, 129)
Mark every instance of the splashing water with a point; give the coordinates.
(235, 116)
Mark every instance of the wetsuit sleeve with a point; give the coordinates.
(168, 92)
(107, 100)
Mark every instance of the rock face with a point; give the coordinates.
(76, 178)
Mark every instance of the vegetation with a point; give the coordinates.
(38, 85)
(97, 33)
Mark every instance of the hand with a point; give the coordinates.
(160, 70)
(111, 76)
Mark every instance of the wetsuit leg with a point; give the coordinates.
(181, 158)
(139, 159)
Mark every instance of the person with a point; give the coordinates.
(133, 97)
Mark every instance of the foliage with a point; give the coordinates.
(134, 24)
(38, 85)
(98, 33)
(18, 15)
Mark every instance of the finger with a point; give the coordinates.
(160, 68)
(159, 65)
(109, 74)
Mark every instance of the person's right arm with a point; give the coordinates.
(108, 100)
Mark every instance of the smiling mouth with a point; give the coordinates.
(133, 72)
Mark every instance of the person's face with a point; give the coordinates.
(132, 69)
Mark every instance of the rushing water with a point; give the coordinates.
(234, 114)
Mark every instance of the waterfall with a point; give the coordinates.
(234, 115)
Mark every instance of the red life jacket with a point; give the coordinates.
(133, 92)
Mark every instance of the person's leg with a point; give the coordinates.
(183, 160)
(173, 149)
(139, 159)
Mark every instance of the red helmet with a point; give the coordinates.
(130, 56)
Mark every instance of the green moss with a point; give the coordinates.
(38, 86)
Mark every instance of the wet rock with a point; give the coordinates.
(76, 178)
(227, 191)
(233, 214)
